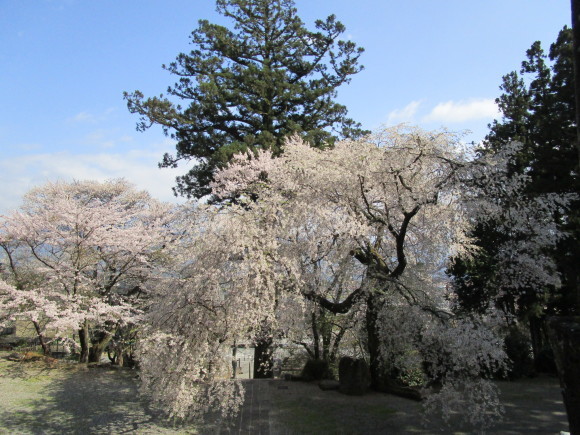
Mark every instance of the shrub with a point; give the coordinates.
(519, 351)
(316, 370)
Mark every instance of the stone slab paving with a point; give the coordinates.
(253, 418)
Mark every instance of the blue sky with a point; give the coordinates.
(64, 65)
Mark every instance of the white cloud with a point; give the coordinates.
(27, 147)
(20, 174)
(88, 117)
(82, 117)
(406, 114)
(105, 138)
(463, 110)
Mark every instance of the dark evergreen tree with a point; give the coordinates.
(538, 109)
(249, 87)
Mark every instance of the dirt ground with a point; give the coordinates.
(40, 398)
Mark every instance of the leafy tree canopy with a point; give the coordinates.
(78, 256)
(538, 110)
(247, 88)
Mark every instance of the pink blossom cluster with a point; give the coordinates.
(75, 252)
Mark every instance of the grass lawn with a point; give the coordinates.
(36, 397)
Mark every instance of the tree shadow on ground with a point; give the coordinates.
(18, 368)
(76, 399)
(531, 405)
(72, 398)
(84, 400)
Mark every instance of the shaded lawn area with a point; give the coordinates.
(68, 398)
(36, 397)
(532, 406)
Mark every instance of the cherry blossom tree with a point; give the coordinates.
(381, 215)
(78, 255)
(323, 332)
(221, 289)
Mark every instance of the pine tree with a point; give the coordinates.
(541, 115)
(249, 87)
(538, 110)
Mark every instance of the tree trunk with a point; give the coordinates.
(84, 341)
(536, 336)
(373, 343)
(336, 345)
(263, 353)
(120, 360)
(564, 334)
(380, 378)
(45, 348)
(234, 360)
(98, 346)
(326, 335)
(315, 337)
(263, 359)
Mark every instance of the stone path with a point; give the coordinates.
(254, 417)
